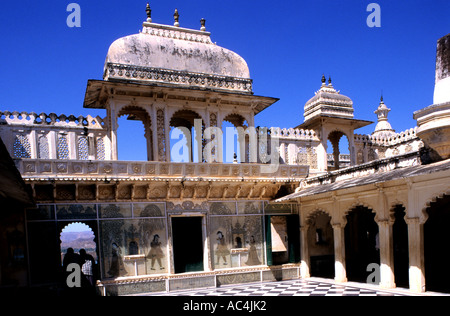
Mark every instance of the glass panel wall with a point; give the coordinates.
(133, 247)
(132, 238)
(236, 240)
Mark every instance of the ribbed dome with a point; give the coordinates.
(162, 53)
(327, 101)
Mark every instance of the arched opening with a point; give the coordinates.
(131, 146)
(338, 151)
(401, 248)
(78, 244)
(236, 139)
(321, 245)
(78, 236)
(361, 243)
(436, 246)
(185, 144)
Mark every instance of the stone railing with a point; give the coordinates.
(399, 138)
(101, 170)
(168, 31)
(353, 172)
(52, 119)
(296, 146)
(342, 157)
(51, 136)
(293, 133)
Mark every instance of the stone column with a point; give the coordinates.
(416, 255)
(34, 139)
(352, 149)
(52, 138)
(334, 139)
(322, 157)
(112, 115)
(149, 140)
(339, 252)
(72, 140)
(167, 136)
(160, 153)
(305, 261)
(386, 254)
(207, 259)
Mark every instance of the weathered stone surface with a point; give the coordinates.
(177, 49)
(443, 58)
(442, 88)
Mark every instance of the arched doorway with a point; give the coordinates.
(321, 245)
(436, 246)
(401, 248)
(361, 243)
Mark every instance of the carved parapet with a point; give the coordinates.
(363, 170)
(405, 136)
(52, 119)
(291, 133)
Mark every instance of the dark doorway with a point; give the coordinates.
(361, 246)
(187, 244)
(436, 249)
(283, 239)
(401, 250)
(321, 246)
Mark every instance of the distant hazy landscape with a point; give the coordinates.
(77, 241)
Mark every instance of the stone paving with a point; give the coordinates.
(301, 287)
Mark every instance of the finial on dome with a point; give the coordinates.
(383, 127)
(149, 13)
(329, 81)
(203, 23)
(176, 17)
(324, 79)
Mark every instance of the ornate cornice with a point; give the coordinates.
(115, 71)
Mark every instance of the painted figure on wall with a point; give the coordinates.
(156, 253)
(253, 259)
(222, 249)
(117, 267)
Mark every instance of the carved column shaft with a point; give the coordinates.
(416, 255)
(305, 258)
(339, 253)
(385, 233)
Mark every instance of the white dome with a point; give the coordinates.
(175, 55)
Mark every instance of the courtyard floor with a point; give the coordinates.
(300, 287)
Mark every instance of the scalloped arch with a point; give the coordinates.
(310, 216)
(433, 199)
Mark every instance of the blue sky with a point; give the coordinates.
(288, 45)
